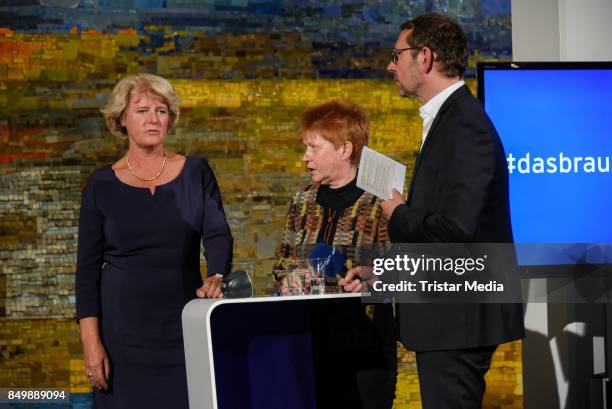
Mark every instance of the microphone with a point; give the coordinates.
(237, 285)
(334, 262)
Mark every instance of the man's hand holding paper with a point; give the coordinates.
(389, 206)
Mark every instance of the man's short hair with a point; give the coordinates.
(444, 37)
(338, 121)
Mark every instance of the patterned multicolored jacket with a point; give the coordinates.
(358, 227)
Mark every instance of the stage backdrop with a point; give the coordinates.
(245, 71)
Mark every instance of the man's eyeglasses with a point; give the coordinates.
(396, 52)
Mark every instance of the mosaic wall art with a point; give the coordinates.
(245, 71)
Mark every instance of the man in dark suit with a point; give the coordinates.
(458, 194)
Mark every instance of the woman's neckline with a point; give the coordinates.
(151, 189)
(347, 186)
(340, 197)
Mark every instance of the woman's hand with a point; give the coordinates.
(97, 365)
(211, 287)
(281, 284)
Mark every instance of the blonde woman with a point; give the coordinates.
(140, 227)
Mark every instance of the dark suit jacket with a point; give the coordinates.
(458, 194)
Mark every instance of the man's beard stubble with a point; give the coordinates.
(403, 92)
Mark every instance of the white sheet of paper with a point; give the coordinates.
(378, 174)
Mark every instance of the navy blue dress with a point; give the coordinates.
(138, 265)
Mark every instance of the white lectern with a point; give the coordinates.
(251, 352)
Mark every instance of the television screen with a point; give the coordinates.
(555, 122)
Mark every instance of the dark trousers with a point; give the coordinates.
(355, 357)
(453, 379)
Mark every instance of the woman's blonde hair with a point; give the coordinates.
(157, 88)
